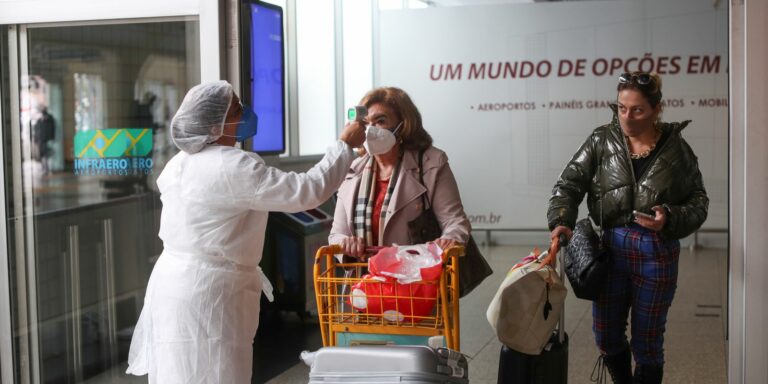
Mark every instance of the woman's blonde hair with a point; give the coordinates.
(651, 91)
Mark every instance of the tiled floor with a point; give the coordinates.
(695, 341)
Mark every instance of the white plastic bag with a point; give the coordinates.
(407, 263)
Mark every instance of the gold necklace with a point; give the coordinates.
(643, 154)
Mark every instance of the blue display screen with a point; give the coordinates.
(266, 72)
(303, 217)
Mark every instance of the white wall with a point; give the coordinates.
(316, 75)
(506, 160)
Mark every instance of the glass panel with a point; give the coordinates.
(5, 265)
(390, 4)
(358, 50)
(315, 54)
(95, 103)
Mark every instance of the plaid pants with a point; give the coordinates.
(643, 279)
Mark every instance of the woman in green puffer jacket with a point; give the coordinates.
(634, 163)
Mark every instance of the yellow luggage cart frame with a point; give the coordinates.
(333, 280)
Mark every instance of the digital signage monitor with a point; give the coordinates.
(263, 73)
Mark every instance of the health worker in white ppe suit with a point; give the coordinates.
(201, 308)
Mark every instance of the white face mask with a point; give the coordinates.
(379, 140)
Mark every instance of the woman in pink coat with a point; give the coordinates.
(382, 191)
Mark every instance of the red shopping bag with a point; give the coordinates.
(402, 285)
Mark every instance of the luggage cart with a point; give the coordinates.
(333, 280)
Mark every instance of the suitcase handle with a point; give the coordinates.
(452, 367)
(561, 324)
(547, 258)
(550, 257)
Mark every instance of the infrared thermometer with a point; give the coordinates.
(357, 113)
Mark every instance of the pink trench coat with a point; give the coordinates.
(406, 203)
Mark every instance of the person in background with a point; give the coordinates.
(201, 308)
(383, 192)
(634, 163)
(43, 132)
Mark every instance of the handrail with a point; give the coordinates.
(488, 231)
(76, 360)
(111, 300)
(695, 243)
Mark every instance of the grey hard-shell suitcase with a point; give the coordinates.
(394, 363)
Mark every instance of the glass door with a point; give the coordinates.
(86, 114)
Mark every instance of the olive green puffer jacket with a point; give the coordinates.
(672, 180)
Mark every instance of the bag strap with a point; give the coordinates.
(426, 205)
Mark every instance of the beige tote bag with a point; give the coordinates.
(519, 313)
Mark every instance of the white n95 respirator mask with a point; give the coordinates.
(379, 140)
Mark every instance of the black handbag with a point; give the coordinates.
(586, 261)
(473, 268)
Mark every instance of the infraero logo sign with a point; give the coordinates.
(123, 151)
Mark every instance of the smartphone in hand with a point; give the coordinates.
(641, 214)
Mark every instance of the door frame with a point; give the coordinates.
(18, 16)
(209, 12)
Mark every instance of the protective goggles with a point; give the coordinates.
(638, 78)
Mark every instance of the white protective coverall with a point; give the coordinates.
(201, 309)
